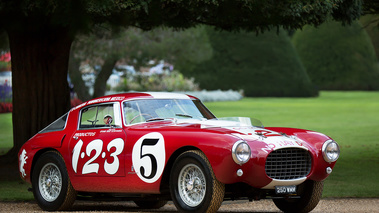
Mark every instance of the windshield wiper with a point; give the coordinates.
(184, 115)
(155, 119)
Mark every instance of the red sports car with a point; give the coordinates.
(154, 147)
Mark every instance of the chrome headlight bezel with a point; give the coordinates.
(330, 151)
(241, 152)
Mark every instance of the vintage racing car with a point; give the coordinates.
(154, 147)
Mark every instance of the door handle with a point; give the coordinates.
(75, 137)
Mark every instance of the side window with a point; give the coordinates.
(57, 125)
(99, 116)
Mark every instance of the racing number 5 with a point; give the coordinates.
(149, 142)
(149, 157)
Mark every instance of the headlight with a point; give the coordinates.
(330, 151)
(241, 152)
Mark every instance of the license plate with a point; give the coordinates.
(285, 190)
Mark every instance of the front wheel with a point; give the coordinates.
(193, 185)
(310, 193)
(51, 185)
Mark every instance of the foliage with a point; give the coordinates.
(227, 14)
(136, 47)
(174, 81)
(370, 23)
(264, 65)
(5, 61)
(370, 7)
(5, 107)
(184, 48)
(342, 57)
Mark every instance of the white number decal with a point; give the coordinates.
(149, 157)
(111, 168)
(97, 146)
(75, 155)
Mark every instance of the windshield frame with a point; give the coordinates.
(197, 103)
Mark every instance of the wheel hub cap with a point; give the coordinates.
(50, 182)
(192, 185)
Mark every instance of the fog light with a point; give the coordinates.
(329, 170)
(239, 172)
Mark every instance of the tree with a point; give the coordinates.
(184, 48)
(338, 57)
(41, 33)
(263, 65)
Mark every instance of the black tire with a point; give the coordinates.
(195, 164)
(53, 191)
(310, 194)
(150, 204)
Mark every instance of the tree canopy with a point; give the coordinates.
(41, 33)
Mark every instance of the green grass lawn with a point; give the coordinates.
(6, 135)
(350, 118)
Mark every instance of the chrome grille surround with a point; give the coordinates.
(288, 164)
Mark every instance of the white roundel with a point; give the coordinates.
(149, 157)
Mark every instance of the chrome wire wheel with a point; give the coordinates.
(191, 185)
(50, 182)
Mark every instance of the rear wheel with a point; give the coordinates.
(193, 185)
(310, 194)
(150, 204)
(51, 185)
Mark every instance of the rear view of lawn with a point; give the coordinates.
(350, 118)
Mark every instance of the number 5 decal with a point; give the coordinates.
(149, 157)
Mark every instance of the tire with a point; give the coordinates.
(201, 193)
(150, 204)
(310, 194)
(52, 188)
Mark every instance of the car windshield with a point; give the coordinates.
(146, 110)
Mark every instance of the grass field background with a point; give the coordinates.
(350, 118)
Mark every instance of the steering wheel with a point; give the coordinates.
(143, 114)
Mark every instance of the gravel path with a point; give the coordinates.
(325, 206)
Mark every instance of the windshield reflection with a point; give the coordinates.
(137, 111)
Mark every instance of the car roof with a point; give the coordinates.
(135, 95)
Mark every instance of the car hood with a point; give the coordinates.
(272, 139)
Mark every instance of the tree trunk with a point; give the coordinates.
(76, 78)
(101, 79)
(39, 78)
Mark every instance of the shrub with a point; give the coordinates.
(338, 57)
(6, 107)
(174, 81)
(264, 65)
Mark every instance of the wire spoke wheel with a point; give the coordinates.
(52, 188)
(192, 185)
(50, 182)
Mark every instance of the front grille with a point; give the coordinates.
(288, 164)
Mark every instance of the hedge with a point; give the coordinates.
(264, 65)
(338, 57)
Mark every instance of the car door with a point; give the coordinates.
(97, 147)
